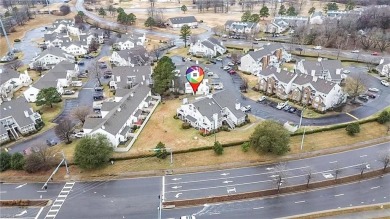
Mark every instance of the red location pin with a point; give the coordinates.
(195, 75)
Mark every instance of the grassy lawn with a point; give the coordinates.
(67, 148)
(48, 113)
(289, 66)
(354, 64)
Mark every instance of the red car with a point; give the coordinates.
(375, 53)
(232, 72)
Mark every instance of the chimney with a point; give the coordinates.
(314, 78)
(338, 71)
(313, 72)
(238, 106)
(26, 114)
(278, 70)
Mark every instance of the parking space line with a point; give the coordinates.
(356, 118)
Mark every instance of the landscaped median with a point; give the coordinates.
(24, 203)
(272, 192)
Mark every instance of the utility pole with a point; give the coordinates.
(55, 171)
(10, 49)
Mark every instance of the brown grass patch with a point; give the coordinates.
(38, 21)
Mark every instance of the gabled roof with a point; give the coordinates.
(284, 76)
(16, 108)
(50, 78)
(76, 43)
(322, 85)
(324, 65)
(123, 72)
(53, 51)
(7, 74)
(303, 79)
(208, 44)
(183, 20)
(268, 49)
(216, 42)
(138, 54)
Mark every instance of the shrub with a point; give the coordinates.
(65, 9)
(353, 128)
(185, 125)
(175, 116)
(161, 151)
(17, 161)
(5, 161)
(16, 40)
(245, 147)
(270, 137)
(384, 117)
(218, 148)
(94, 152)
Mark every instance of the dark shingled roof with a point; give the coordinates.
(183, 20)
(50, 78)
(123, 72)
(7, 74)
(267, 50)
(16, 109)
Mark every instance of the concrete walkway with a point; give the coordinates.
(383, 213)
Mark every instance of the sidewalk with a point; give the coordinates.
(382, 213)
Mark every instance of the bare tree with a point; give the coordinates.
(157, 52)
(382, 39)
(280, 175)
(14, 65)
(367, 40)
(64, 130)
(308, 176)
(80, 113)
(362, 167)
(194, 39)
(95, 70)
(244, 85)
(38, 66)
(384, 158)
(235, 57)
(336, 171)
(354, 86)
(40, 159)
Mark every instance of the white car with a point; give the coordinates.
(231, 64)
(261, 99)
(385, 83)
(355, 51)
(218, 59)
(226, 68)
(246, 108)
(373, 89)
(79, 135)
(210, 73)
(346, 71)
(281, 105)
(188, 217)
(218, 87)
(317, 48)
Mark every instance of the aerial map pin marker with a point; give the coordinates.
(195, 75)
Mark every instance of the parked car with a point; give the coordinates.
(317, 48)
(79, 135)
(246, 108)
(218, 59)
(292, 110)
(218, 87)
(88, 57)
(373, 89)
(261, 99)
(213, 61)
(299, 49)
(51, 142)
(281, 105)
(210, 73)
(98, 88)
(375, 53)
(232, 72)
(384, 83)
(363, 98)
(346, 71)
(372, 96)
(80, 63)
(188, 217)
(355, 51)
(231, 64)
(229, 55)
(287, 108)
(106, 76)
(102, 65)
(83, 75)
(68, 92)
(226, 68)
(98, 96)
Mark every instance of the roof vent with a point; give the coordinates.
(103, 127)
(26, 114)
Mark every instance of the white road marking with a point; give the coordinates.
(258, 208)
(21, 213)
(42, 191)
(362, 202)
(274, 176)
(227, 182)
(176, 187)
(163, 189)
(269, 168)
(338, 195)
(178, 195)
(211, 213)
(375, 187)
(39, 213)
(2, 192)
(17, 187)
(364, 155)
(229, 190)
(175, 179)
(225, 174)
(333, 161)
(232, 177)
(300, 202)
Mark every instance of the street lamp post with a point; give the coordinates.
(55, 171)
(300, 120)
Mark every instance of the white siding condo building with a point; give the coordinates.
(11, 81)
(212, 111)
(51, 57)
(208, 48)
(178, 22)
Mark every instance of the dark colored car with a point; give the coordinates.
(83, 75)
(363, 98)
(51, 142)
(299, 49)
(372, 96)
(292, 110)
(98, 88)
(81, 63)
(213, 61)
(107, 76)
(98, 96)
(232, 72)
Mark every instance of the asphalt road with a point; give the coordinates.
(85, 97)
(231, 181)
(367, 192)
